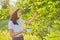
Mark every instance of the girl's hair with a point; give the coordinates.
(14, 17)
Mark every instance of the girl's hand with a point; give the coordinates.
(24, 31)
(36, 14)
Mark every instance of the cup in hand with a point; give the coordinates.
(28, 29)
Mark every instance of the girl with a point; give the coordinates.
(15, 24)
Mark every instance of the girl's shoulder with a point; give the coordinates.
(21, 21)
(10, 22)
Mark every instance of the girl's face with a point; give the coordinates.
(18, 13)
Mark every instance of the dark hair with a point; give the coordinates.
(14, 17)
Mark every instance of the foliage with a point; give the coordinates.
(46, 23)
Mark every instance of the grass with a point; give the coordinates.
(4, 35)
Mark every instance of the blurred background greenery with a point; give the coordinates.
(46, 25)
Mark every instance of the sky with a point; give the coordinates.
(12, 2)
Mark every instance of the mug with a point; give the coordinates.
(28, 29)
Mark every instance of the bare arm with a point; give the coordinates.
(29, 21)
(12, 33)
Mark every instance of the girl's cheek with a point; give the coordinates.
(18, 15)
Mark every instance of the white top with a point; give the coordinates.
(16, 28)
